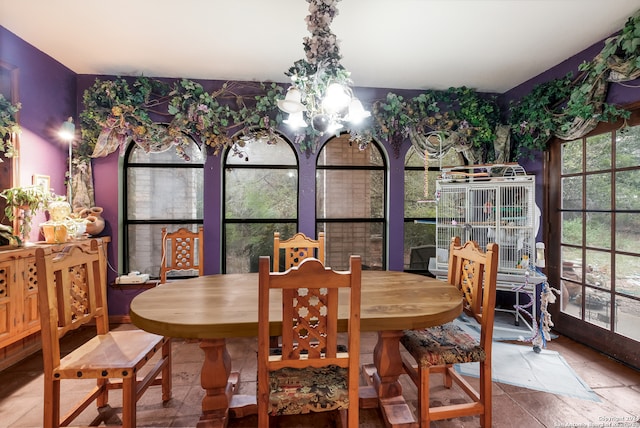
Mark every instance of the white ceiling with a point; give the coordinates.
(488, 45)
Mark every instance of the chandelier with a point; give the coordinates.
(320, 94)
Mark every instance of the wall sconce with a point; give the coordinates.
(67, 133)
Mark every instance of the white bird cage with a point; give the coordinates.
(495, 203)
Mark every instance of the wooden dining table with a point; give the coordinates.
(213, 308)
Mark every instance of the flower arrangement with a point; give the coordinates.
(8, 125)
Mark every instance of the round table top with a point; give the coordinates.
(226, 305)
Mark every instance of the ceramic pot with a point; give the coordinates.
(95, 224)
(94, 220)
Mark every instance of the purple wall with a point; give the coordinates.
(47, 92)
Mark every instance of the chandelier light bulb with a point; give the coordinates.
(336, 98)
(296, 120)
(357, 113)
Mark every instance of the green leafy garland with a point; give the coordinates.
(117, 111)
(8, 125)
(553, 108)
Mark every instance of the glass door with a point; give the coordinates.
(594, 236)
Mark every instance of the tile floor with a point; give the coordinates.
(618, 387)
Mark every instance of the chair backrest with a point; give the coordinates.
(475, 273)
(71, 293)
(309, 317)
(296, 249)
(182, 250)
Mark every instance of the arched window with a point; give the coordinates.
(420, 207)
(260, 197)
(351, 205)
(162, 189)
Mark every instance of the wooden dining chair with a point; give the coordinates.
(310, 375)
(296, 249)
(182, 250)
(437, 349)
(72, 293)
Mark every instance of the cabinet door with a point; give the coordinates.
(31, 317)
(7, 301)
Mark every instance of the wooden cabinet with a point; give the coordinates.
(18, 296)
(19, 317)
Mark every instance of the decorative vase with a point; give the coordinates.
(59, 210)
(95, 222)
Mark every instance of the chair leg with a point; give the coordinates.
(103, 397)
(129, 402)
(423, 396)
(166, 372)
(485, 394)
(51, 416)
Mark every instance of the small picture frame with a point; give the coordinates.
(43, 181)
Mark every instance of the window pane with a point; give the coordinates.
(412, 158)
(627, 317)
(572, 157)
(263, 185)
(628, 232)
(598, 195)
(252, 193)
(419, 245)
(598, 269)
(572, 228)
(597, 307)
(246, 242)
(350, 193)
(571, 285)
(145, 247)
(572, 193)
(599, 152)
(599, 230)
(346, 239)
(415, 204)
(627, 142)
(339, 151)
(261, 153)
(148, 189)
(627, 185)
(628, 275)
(169, 155)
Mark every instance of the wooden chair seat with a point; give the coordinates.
(122, 352)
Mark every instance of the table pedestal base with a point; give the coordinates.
(382, 380)
(220, 385)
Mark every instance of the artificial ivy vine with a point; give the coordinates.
(8, 125)
(152, 112)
